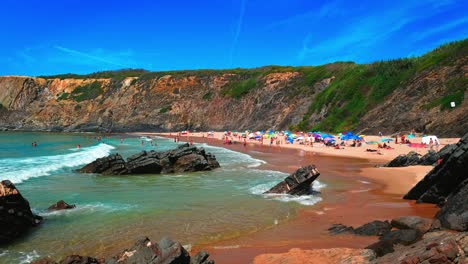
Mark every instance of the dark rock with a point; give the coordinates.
(113, 164)
(184, 158)
(16, 217)
(434, 247)
(381, 247)
(298, 183)
(446, 182)
(412, 158)
(61, 205)
(44, 261)
(420, 224)
(336, 229)
(404, 237)
(144, 251)
(430, 158)
(76, 259)
(454, 214)
(201, 258)
(374, 228)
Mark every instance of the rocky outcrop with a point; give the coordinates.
(446, 185)
(318, 256)
(420, 224)
(144, 251)
(414, 158)
(374, 228)
(298, 183)
(434, 247)
(454, 214)
(61, 205)
(16, 217)
(184, 158)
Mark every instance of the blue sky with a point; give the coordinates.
(83, 36)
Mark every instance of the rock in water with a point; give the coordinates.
(16, 217)
(184, 158)
(61, 205)
(298, 183)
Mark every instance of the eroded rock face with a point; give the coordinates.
(446, 185)
(184, 158)
(374, 228)
(16, 217)
(434, 247)
(298, 183)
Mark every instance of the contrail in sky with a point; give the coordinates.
(236, 36)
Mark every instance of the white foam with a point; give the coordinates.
(303, 199)
(28, 257)
(87, 209)
(364, 182)
(234, 157)
(20, 169)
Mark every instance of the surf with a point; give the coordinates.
(19, 170)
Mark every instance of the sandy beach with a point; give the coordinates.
(358, 191)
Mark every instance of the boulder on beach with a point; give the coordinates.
(298, 183)
(144, 251)
(374, 228)
(447, 185)
(420, 224)
(414, 158)
(61, 205)
(16, 217)
(184, 158)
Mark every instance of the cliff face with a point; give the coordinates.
(389, 96)
(166, 103)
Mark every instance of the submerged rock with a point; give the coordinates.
(298, 183)
(184, 158)
(61, 205)
(16, 217)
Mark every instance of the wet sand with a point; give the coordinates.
(357, 192)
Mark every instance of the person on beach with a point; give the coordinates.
(431, 144)
(245, 142)
(437, 144)
(271, 141)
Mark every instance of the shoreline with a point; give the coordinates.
(376, 191)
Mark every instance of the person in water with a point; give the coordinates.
(78, 146)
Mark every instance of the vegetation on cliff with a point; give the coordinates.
(332, 97)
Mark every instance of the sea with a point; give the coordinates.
(114, 211)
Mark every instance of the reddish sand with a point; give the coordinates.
(357, 192)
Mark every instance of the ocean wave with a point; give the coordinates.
(303, 199)
(18, 170)
(232, 156)
(87, 209)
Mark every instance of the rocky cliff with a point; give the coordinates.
(384, 96)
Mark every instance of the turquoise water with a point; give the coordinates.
(112, 211)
